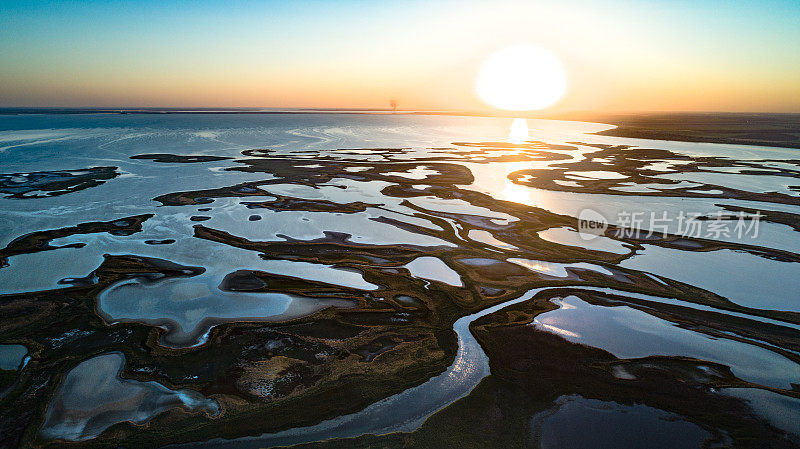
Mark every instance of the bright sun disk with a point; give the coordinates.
(521, 78)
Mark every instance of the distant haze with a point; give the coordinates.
(620, 55)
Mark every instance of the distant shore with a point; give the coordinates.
(736, 128)
(776, 130)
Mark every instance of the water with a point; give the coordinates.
(312, 219)
(634, 426)
(92, 398)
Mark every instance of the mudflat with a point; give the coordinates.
(775, 130)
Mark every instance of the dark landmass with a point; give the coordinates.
(771, 130)
(160, 242)
(40, 240)
(271, 376)
(43, 184)
(179, 158)
(635, 168)
(532, 369)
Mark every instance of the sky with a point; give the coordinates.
(619, 55)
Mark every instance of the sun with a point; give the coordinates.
(521, 78)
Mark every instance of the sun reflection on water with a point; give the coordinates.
(515, 192)
(519, 131)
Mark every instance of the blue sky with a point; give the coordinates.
(620, 54)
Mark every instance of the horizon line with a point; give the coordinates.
(267, 110)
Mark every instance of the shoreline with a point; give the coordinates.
(762, 129)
